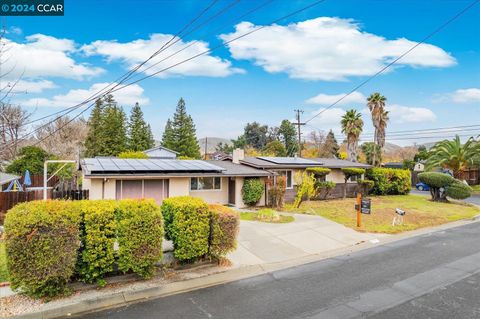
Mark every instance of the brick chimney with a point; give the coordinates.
(238, 155)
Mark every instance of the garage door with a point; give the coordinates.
(149, 188)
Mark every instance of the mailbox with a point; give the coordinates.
(366, 206)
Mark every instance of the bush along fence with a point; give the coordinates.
(389, 181)
(51, 243)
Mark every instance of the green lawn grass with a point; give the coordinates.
(3, 262)
(253, 216)
(420, 212)
(476, 189)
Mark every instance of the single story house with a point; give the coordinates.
(292, 166)
(161, 152)
(217, 182)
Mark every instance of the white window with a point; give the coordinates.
(205, 183)
(289, 178)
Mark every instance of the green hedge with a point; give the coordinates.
(98, 235)
(187, 224)
(435, 179)
(139, 235)
(319, 171)
(42, 243)
(252, 191)
(458, 190)
(389, 181)
(49, 242)
(224, 227)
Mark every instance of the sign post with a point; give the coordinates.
(358, 206)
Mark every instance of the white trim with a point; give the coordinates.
(206, 190)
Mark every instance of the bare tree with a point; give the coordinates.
(12, 124)
(63, 137)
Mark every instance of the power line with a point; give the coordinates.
(427, 137)
(200, 54)
(432, 131)
(120, 80)
(128, 74)
(441, 27)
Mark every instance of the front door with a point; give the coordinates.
(231, 190)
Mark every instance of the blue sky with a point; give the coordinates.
(301, 62)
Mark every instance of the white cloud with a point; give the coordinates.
(32, 86)
(405, 114)
(329, 49)
(466, 95)
(328, 99)
(16, 30)
(44, 56)
(329, 119)
(125, 97)
(134, 52)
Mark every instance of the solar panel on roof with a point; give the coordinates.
(289, 160)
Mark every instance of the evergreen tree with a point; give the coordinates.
(168, 137)
(256, 135)
(140, 135)
(114, 129)
(93, 143)
(331, 146)
(288, 137)
(180, 134)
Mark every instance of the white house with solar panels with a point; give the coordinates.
(215, 181)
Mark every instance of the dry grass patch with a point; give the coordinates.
(420, 212)
(3, 262)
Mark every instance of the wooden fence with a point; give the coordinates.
(10, 199)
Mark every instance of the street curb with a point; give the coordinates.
(118, 299)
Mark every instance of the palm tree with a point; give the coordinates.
(376, 105)
(454, 155)
(352, 127)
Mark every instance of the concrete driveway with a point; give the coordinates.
(261, 243)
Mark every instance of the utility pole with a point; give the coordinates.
(299, 124)
(206, 148)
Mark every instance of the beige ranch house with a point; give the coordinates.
(215, 181)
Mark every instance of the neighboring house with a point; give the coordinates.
(161, 152)
(215, 182)
(5, 179)
(294, 166)
(397, 165)
(419, 167)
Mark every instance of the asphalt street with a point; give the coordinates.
(474, 199)
(427, 276)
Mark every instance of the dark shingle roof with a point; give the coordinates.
(292, 162)
(338, 163)
(232, 169)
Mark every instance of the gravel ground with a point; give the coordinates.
(19, 304)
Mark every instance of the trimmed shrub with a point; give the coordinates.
(42, 243)
(323, 189)
(436, 179)
(349, 172)
(224, 227)
(438, 183)
(187, 224)
(139, 236)
(252, 191)
(458, 190)
(366, 185)
(276, 193)
(318, 171)
(389, 181)
(98, 235)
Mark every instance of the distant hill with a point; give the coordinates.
(212, 143)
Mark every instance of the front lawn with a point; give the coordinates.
(3, 262)
(476, 189)
(255, 216)
(420, 212)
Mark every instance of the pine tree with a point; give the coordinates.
(140, 135)
(288, 137)
(331, 145)
(93, 143)
(168, 138)
(185, 139)
(114, 131)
